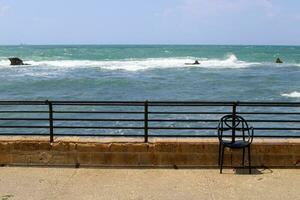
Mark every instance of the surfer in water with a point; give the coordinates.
(195, 63)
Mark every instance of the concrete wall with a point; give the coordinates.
(188, 153)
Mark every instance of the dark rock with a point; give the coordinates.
(16, 61)
(278, 60)
(195, 63)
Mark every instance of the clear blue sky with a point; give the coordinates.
(150, 22)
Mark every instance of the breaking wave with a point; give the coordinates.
(138, 64)
(294, 94)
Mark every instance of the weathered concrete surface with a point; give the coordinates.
(69, 183)
(103, 152)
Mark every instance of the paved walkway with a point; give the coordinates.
(68, 183)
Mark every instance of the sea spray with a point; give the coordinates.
(294, 94)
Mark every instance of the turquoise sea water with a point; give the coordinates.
(151, 72)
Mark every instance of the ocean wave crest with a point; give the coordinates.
(294, 94)
(139, 64)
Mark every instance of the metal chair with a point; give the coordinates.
(234, 132)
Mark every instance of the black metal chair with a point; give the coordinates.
(234, 132)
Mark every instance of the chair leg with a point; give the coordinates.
(219, 161)
(249, 159)
(243, 162)
(222, 159)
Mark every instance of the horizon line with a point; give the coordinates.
(146, 44)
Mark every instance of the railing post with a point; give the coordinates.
(50, 119)
(233, 120)
(146, 121)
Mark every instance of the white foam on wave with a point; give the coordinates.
(137, 64)
(4, 63)
(230, 62)
(294, 94)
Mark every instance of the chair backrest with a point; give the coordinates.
(234, 127)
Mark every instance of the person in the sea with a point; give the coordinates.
(278, 60)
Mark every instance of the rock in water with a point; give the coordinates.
(278, 60)
(16, 61)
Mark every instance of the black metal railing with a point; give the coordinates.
(143, 118)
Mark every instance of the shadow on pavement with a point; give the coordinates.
(254, 171)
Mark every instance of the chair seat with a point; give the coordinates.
(237, 144)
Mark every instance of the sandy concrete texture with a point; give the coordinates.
(125, 183)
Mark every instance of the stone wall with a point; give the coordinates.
(168, 153)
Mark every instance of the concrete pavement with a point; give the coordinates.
(34, 183)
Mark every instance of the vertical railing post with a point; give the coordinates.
(50, 110)
(146, 121)
(233, 120)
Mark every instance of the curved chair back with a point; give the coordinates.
(234, 127)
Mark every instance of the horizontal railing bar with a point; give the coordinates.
(215, 136)
(168, 113)
(24, 119)
(22, 111)
(268, 113)
(225, 113)
(238, 103)
(74, 127)
(24, 134)
(272, 121)
(97, 127)
(152, 102)
(112, 120)
(98, 112)
(140, 112)
(275, 128)
(153, 128)
(24, 127)
(101, 135)
(22, 102)
(182, 104)
(140, 120)
(226, 102)
(66, 134)
(270, 105)
(216, 120)
(214, 128)
(267, 103)
(97, 104)
(66, 119)
(137, 120)
(182, 128)
(132, 135)
(139, 135)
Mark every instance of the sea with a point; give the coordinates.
(150, 72)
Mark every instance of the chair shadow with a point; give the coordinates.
(254, 171)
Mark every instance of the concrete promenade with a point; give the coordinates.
(31, 183)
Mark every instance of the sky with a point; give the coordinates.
(246, 22)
